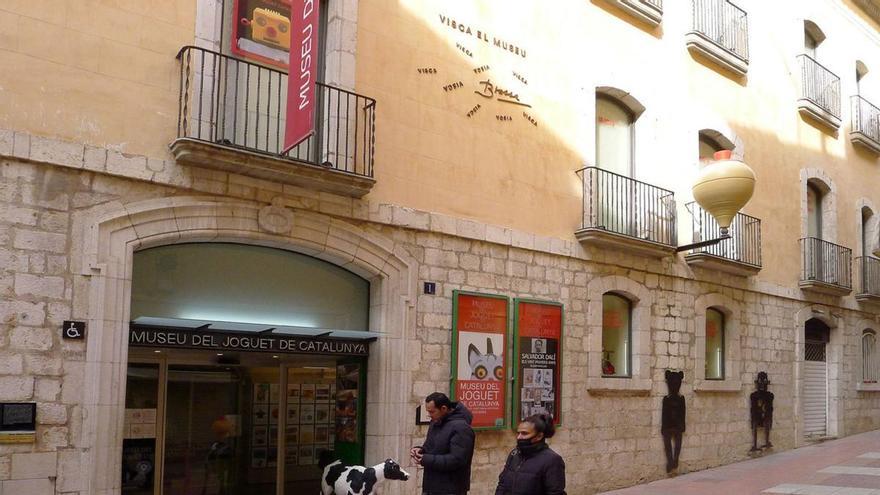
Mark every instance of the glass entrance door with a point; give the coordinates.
(221, 430)
(250, 423)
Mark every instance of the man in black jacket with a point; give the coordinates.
(448, 449)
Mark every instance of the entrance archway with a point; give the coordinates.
(110, 234)
(246, 370)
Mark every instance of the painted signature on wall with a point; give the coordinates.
(489, 90)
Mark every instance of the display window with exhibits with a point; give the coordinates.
(261, 30)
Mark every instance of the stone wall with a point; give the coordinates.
(610, 438)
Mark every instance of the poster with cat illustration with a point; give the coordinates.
(479, 366)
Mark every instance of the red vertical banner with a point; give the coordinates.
(301, 78)
(538, 341)
(479, 369)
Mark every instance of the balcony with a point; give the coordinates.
(870, 8)
(721, 34)
(647, 11)
(865, 124)
(232, 118)
(626, 214)
(825, 267)
(739, 255)
(820, 93)
(868, 279)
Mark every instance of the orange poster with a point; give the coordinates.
(479, 368)
(538, 330)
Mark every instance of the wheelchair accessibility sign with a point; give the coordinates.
(75, 330)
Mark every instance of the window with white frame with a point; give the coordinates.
(870, 361)
(614, 136)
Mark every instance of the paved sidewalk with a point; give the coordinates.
(848, 466)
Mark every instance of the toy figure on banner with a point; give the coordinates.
(673, 419)
(761, 411)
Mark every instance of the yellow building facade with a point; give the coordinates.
(542, 151)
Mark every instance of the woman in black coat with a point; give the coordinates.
(533, 468)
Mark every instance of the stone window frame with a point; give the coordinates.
(825, 184)
(868, 328)
(872, 236)
(731, 310)
(640, 379)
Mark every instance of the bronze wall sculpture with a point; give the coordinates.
(761, 411)
(673, 419)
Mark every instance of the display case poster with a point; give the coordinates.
(538, 334)
(479, 341)
(346, 410)
(138, 462)
(261, 30)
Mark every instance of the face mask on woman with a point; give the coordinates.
(526, 437)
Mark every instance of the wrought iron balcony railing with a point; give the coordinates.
(868, 276)
(723, 23)
(744, 245)
(240, 104)
(625, 206)
(866, 120)
(819, 85)
(825, 262)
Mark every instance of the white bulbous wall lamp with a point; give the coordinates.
(722, 188)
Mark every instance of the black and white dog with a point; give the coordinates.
(339, 479)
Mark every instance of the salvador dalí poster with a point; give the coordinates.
(538, 341)
(479, 369)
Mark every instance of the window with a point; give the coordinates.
(867, 231)
(870, 361)
(614, 136)
(710, 141)
(708, 147)
(616, 335)
(813, 37)
(810, 44)
(202, 281)
(714, 344)
(814, 211)
(861, 72)
(619, 322)
(259, 30)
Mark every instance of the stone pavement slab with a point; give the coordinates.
(847, 466)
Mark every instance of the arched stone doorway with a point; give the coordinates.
(816, 337)
(817, 370)
(109, 235)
